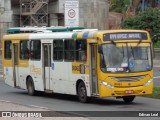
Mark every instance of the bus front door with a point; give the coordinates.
(15, 65)
(47, 66)
(94, 77)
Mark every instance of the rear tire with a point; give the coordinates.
(30, 87)
(128, 99)
(82, 93)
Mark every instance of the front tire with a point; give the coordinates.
(30, 87)
(82, 93)
(128, 99)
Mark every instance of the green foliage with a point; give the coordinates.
(119, 5)
(146, 20)
(155, 94)
(157, 45)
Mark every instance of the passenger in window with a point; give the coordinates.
(27, 53)
(84, 56)
(31, 54)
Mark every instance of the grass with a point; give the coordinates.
(155, 94)
(157, 45)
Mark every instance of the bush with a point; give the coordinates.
(145, 20)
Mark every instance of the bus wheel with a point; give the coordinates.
(128, 99)
(30, 87)
(82, 93)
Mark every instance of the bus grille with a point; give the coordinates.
(128, 79)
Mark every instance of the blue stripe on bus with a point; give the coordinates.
(85, 35)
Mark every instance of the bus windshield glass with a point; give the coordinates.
(125, 58)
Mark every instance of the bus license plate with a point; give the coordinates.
(129, 91)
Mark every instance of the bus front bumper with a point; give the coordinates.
(125, 91)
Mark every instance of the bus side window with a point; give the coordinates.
(24, 50)
(8, 49)
(69, 50)
(35, 50)
(81, 50)
(58, 50)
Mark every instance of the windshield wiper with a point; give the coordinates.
(123, 51)
(114, 43)
(132, 52)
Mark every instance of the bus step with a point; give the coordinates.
(18, 87)
(95, 94)
(48, 91)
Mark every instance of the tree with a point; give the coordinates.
(144, 20)
(119, 6)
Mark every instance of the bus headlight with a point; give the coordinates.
(148, 83)
(106, 84)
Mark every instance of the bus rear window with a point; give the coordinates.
(8, 49)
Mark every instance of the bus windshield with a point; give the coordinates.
(125, 58)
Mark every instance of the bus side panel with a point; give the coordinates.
(23, 73)
(64, 81)
(35, 69)
(75, 78)
(8, 75)
(60, 77)
(79, 71)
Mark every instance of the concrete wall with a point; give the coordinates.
(92, 13)
(5, 17)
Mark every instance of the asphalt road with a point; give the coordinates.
(70, 104)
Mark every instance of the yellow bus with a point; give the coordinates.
(109, 63)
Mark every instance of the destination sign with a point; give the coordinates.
(125, 36)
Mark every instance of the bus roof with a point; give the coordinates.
(66, 35)
(56, 35)
(32, 29)
(91, 34)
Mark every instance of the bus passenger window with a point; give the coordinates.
(69, 50)
(81, 50)
(35, 50)
(8, 49)
(58, 50)
(24, 50)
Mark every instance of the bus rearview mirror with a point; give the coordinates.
(155, 39)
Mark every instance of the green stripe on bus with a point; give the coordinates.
(74, 35)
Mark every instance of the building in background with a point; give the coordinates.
(15, 13)
(5, 16)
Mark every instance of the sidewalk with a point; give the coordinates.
(8, 106)
(156, 63)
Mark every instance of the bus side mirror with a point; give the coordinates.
(155, 39)
(100, 49)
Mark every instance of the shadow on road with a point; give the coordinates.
(72, 98)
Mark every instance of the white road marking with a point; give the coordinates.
(39, 107)
(156, 77)
(5, 101)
